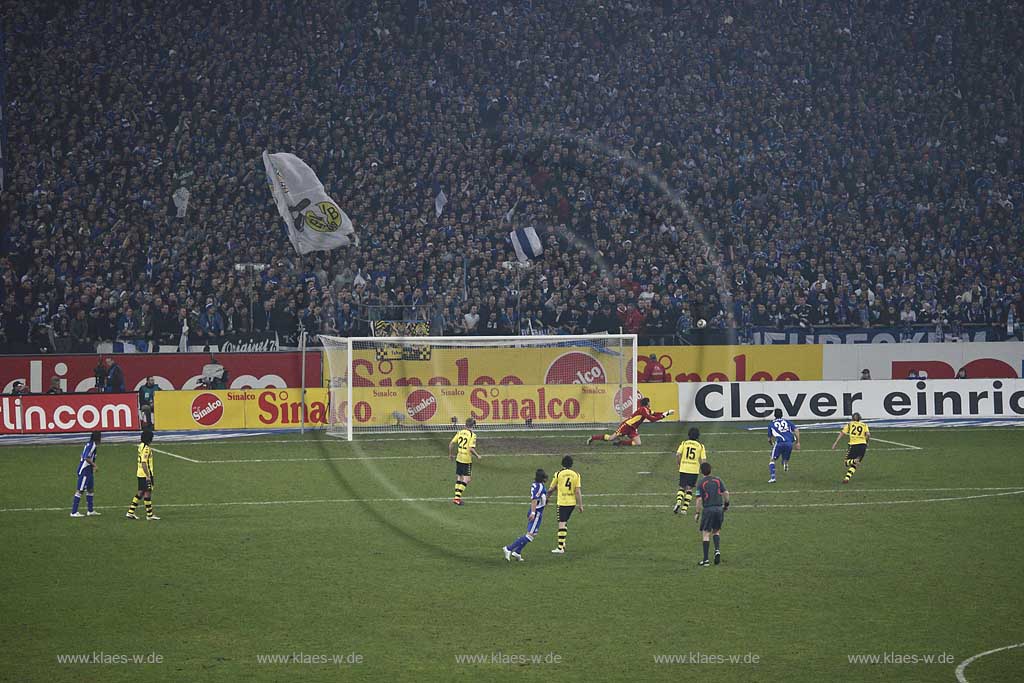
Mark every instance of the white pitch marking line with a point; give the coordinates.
(967, 662)
(237, 461)
(508, 500)
(175, 455)
(199, 438)
(788, 505)
(897, 443)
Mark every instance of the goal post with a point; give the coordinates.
(415, 384)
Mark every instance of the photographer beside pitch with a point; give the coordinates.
(712, 503)
(147, 401)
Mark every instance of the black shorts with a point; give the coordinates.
(463, 469)
(711, 519)
(857, 451)
(687, 480)
(143, 484)
(565, 512)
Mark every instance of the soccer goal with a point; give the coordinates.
(398, 384)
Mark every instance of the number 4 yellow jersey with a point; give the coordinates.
(857, 431)
(691, 455)
(566, 482)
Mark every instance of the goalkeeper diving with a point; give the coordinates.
(628, 431)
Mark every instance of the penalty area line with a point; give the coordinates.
(175, 455)
(897, 443)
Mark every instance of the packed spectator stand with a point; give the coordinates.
(772, 164)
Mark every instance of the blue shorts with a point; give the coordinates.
(532, 527)
(85, 480)
(782, 450)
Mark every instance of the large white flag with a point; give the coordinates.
(315, 221)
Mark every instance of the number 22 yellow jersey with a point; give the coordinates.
(465, 439)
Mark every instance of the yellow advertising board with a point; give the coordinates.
(406, 406)
(426, 366)
(239, 409)
(663, 396)
(501, 404)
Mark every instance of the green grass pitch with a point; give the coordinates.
(311, 549)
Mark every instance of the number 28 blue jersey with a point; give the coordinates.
(537, 493)
(85, 471)
(89, 452)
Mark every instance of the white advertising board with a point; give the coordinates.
(979, 360)
(906, 399)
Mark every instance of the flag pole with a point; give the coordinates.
(302, 395)
(519, 301)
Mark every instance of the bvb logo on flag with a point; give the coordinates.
(328, 220)
(324, 217)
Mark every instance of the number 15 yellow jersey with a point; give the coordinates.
(691, 455)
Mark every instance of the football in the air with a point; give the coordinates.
(702, 323)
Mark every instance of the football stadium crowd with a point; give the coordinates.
(784, 164)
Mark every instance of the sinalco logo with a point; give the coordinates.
(207, 409)
(575, 367)
(624, 401)
(421, 405)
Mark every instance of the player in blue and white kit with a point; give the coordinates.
(538, 501)
(86, 470)
(783, 436)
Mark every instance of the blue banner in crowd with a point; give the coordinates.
(870, 335)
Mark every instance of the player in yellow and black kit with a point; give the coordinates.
(567, 482)
(689, 456)
(144, 472)
(461, 449)
(859, 435)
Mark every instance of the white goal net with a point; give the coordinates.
(396, 384)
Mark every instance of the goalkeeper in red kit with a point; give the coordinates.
(628, 432)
